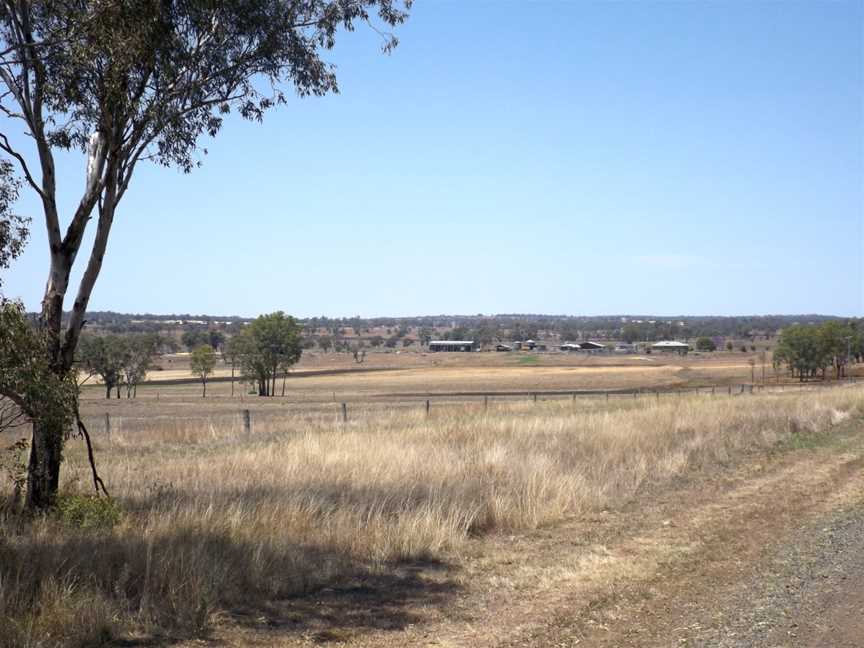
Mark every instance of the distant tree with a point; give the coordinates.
(138, 353)
(743, 348)
(203, 361)
(194, 338)
(376, 340)
(104, 356)
(425, 335)
(803, 350)
(231, 356)
(705, 344)
(269, 347)
(406, 342)
(215, 339)
(729, 345)
(325, 343)
(391, 342)
(358, 351)
(631, 333)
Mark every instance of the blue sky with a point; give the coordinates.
(543, 157)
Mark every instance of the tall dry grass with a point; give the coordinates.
(214, 520)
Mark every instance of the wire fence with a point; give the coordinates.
(251, 415)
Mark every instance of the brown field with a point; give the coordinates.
(410, 374)
(393, 529)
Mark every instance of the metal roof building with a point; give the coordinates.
(671, 346)
(453, 346)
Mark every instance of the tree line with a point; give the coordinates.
(810, 350)
(261, 353)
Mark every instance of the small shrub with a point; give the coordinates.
(88, 512)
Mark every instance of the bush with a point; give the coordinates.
(88, 512)
(705, 344)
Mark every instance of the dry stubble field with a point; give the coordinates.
(232, 537)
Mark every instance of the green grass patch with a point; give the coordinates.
(529, 360)
(88, 511)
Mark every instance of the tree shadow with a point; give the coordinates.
(171, 582)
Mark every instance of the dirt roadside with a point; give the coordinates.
(767, 554)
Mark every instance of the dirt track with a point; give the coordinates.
(770, 554)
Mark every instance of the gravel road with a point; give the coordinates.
(809, 595)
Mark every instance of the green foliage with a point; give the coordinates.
(203, 361)
(26, 376)
(87, 511)
(268, 346)
(13, 462)
(808, 349)
(705, 344)
(13, 228)
(118, 359)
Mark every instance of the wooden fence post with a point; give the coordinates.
(108, 425)
(247, 422)
(486, 402)
(344, 412)
(427, 408)
(607, 395)
(535, 397)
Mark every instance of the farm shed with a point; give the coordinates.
(453, 345)
(671, 346)
(591, 346)
(569, 346)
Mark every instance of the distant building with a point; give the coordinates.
(453, 346)
(569, 346)
(623, 347)
(529, 344)
(503, 347)
(671, 346)
(591, 346)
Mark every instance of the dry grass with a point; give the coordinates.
(214, 520)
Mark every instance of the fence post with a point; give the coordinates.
(730, 390)
(573, 397)
(712, 390)
(535, 397)
(247, 422)
(607, 395)
(658, 395)
(344, 412)
(486, 402)
(427, 408)
(108, 425)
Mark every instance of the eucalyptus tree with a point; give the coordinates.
(268, 347)
(202, 363)
(125, 82)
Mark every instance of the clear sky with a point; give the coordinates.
(543, 157)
